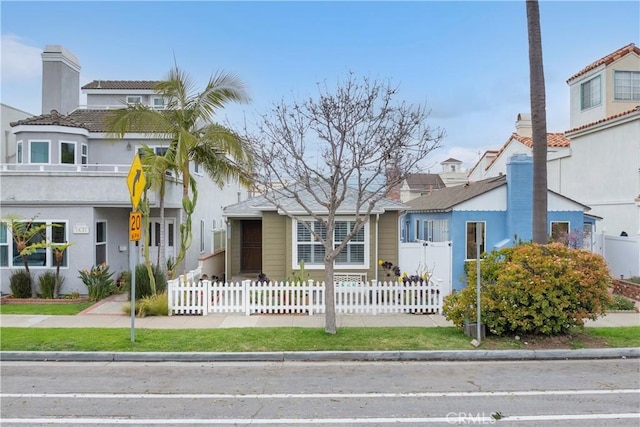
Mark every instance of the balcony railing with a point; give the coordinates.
(102, 168)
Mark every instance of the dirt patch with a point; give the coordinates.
(537, 342)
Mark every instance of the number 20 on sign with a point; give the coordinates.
(135, 226)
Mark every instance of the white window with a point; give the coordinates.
(353, 253)
(67, 153)
(19, 152)
(626, 85)
(39, 152)
(471, 235)
(101, 242)
(84, 155)
(310, 249)
(4, 246)
(196, 168)
(436, 230)
(590, 93)
(55, 232)
(134, 100)
(158, 103)
(417, 229)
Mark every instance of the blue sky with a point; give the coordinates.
(467, 61)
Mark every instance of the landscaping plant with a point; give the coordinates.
(99, 281)
(20, 284)
(47, 282)
(534, 289)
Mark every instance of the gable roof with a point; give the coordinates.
(636, 110)
(256, 205)
(553, 140)
(450, 160)
(444, 200)
(608, 59)
(424, 181)
(122, 84)
(52, 119)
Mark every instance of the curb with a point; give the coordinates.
(323, 356)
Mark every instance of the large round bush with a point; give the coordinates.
(534, 289)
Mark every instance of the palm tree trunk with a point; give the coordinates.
(539, 123)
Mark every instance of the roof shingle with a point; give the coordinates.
(122, 84)
(444, 200)
(606, 119)
(52, 119)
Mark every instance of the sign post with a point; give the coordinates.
(136, 182)
(479, 316)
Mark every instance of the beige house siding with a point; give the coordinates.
(389, 241)
(276, 236)
(630, 62)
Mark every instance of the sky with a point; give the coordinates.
(467, 61)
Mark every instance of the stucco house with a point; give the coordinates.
(263, 238)
(502, 204)
(602, 168)
(494, 162)
(68, 171)
(419, 184)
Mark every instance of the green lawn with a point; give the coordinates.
(45, 309)
(284, 339)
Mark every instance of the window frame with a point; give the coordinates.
(634, 90)
(559, 238)
(48, 142)
(202, 235)
(365, 265)
(592, 103)
(467, 243)
(84, 154)
(128, 99)
(4, 232)
(101, 243)
(431, 227)
(19, 152)
(153, 103)
(11, 251)
(75, 146)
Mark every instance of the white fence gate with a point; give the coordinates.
(203, 297)
(622, 254)
(432, 257)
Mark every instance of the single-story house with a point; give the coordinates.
(262, 238)
(503, 205)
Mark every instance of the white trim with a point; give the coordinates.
(337, 267)
(104, 243)
(95, 91)
(153, 105)
(484, 238)
(83, 145)
(20, 159)
(50, 129)
(144, 136)
(48, 141)
(550, 231)
(128, 102)
(48, 236)
(75, 152)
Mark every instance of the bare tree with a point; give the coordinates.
(538, 122)
(350, 146)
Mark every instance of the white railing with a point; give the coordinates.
(203, 297)
(27, 167)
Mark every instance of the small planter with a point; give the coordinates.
(471, 330)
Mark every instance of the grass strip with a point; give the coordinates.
(68, 309)
(276, 339)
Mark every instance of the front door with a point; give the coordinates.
(251, 253)
(154, 239)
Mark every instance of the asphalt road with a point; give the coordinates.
(530, 393)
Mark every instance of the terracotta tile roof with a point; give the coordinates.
(607, 59)
(553, 140)
(122, 84)
(52, 119)
(94, 120)
(606, 119)
(444, 200)
(424, 181)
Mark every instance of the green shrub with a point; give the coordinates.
(47, 282)
(634, 279)
(20, 284)
(534, 289)
(99, 281)
(143, 283)
(620, 302)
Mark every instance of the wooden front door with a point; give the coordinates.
(251, 253)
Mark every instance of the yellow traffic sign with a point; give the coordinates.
(135, 226)
(136, 182)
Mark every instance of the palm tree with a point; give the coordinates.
(155, 168)
(538, 122)
(187, 121)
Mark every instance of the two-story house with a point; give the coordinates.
(69, 171)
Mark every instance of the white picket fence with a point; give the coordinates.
(203, 297)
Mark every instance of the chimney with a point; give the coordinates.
(393, 185)
(523, 125)
(60, 80)
(520, 196)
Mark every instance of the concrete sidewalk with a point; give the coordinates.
(108, 313)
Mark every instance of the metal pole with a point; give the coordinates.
(132, 269)
(478, 243)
